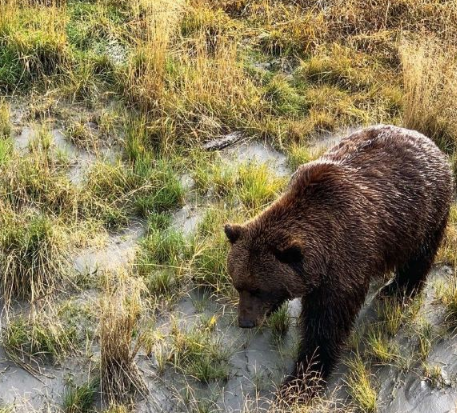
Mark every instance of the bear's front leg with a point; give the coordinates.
(326, 321)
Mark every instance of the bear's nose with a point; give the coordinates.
(243, 323)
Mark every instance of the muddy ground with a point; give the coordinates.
(257, 362)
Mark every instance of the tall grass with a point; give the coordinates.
(430, 82)
(33, 43)
(120, 308)
(33, 259)
(37, 338)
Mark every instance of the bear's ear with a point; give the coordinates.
(233, 232)
(291, 254)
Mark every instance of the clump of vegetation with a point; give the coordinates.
(113, 192)
(34, 44)
(33, 257)
(210, 248)
(167, 191)
(284, 98)
(379, 347)
(120, 308)
(447, 295)
(214, 177)
(279, 322)
(447, 253)
(38, 181)
(37, 338)
(426, 337)
(161, 256)
(5, 124)
(80, 318)
(299, 154)
(80, 398)
(360, 385)
(81, 135)
(340, 66)
(199, 353)
(430, 83)
(258, 186)
(6, 150)
(434, 375)
(118, 408)
(391, 314)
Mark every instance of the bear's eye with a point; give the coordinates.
(290, 255)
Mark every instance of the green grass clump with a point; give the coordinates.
(447, 295)
(294, 31)
(391, 315)
(199, 353)
(210, 249)
(109, 192)
(258, 186)
(360, 385)
(283, 98)
(6, 150)
(447, 253)
(80, 398)
(38, 338)
(434, 375)
(160, 249)
(167, 192)
(299, 154)
(379, 347)
(426, 337)
(161, 256)
(163, 245)
(33, 256)
(279, 322)
(80, 318)
(80, 135)
(33, 45)
(340, 66)
(118, 408)
(37, 180)
(5, 124)
(214, 177)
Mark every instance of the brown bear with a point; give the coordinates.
(376, 202)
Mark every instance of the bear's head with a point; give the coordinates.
(266, 266)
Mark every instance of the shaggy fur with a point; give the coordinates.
(376, 202)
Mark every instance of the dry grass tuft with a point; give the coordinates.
(120, 309)
(37, 338)
(447, 254)
(430, 82)
(33, 258)
(360, 385)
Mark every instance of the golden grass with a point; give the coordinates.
(430, 82)
(447, 254)
(37, 338)
(33, 258)
(360, 385)
(120, 309)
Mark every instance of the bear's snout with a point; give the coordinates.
(245, 323)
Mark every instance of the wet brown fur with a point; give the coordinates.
(376, 202)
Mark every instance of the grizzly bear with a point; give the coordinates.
(376, 202)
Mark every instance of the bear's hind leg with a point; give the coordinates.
(410, 278)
